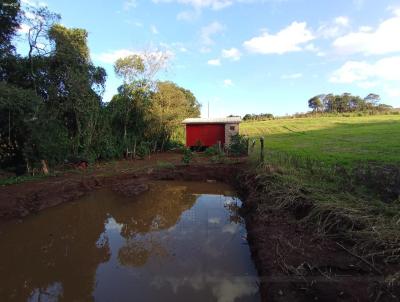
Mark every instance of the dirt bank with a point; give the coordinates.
(296, 263)
(20, 200)
(293, 261)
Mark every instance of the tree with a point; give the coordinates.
(39, 20)
(170, 105)
(10, 18)
(18, 114)
(138, 72)
(315, 104)
(75, 86)
(373, 99)
(141, 67)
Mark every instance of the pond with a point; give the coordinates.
(180, 241)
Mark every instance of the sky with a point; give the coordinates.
(249, 56)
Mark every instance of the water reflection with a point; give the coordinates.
(173, 243)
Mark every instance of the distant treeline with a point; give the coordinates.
(258, 117)
(346, 102)
(51, 105)
(330, 104)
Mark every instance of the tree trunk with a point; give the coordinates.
(45, 168)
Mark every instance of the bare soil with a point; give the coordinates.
(293, 262)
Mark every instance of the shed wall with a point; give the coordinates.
(207, 134)
(230, 129)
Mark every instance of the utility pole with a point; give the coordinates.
(208, 109)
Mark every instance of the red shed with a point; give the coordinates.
(210, 131)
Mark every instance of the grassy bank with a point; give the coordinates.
(338, 175)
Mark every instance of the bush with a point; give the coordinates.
(187, 155)
(143, 149)
(213, 150)
(239, 145)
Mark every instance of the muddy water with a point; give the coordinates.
(178, 242)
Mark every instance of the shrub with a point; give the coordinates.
(239, 145)
(213, 150)
(143, 149)
(187, 155)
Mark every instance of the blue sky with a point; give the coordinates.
(250, 56)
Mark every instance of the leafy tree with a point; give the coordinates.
(373, 99)
(259, 117)
(170, 105)
(315, 104)
(138, 72)
(18, 113)
(39, 20)
(9, 21)
(346, 102)
(75, 86)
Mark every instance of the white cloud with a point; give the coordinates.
(393, 92)
(334, 28)
(207, 32)
(342, 21)
(199, 4)
(214, 62)
(365, 29)
(368, 75)
(288, 39)
(228, 83)
(128, 4)
(233, 53)
(154, 29)
(188, 15)
(292, 76)
(383, 40)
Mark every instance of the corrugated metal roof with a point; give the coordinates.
(222, 120)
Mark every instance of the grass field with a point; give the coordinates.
(347, 167)
(333, 140)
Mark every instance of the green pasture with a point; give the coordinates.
(332, 140)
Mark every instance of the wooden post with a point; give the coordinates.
(262, 149)
(134, 150)
(219, 146)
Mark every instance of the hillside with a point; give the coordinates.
(333, 140)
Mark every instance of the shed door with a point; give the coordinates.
(207, 134)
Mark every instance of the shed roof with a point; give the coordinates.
(222, 120)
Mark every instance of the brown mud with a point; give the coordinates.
(294, 262)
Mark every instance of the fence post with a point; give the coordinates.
(262, 149)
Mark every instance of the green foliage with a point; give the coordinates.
(238, 145)
(9, 21)
(170, 104)
(211, 151)
(258, 117)
(129, 68)
(346, 102)
(143, 149)
(187, 155)
(51, 101)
